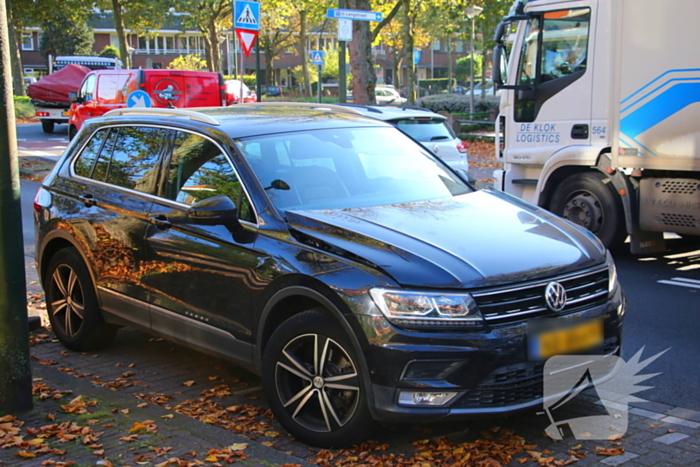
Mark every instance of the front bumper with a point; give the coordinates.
(490, 370)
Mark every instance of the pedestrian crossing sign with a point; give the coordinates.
(317, 57)
(247, 15)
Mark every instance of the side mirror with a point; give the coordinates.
(217, 210)
(497, 63)
(74, 99)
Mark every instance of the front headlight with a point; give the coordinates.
(427, 309)
(612, 274)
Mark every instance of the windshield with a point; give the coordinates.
(346, 168)
(425, 129)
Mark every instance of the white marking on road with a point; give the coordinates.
(65, 140)
(21, 139)
(38, 153)
(682, 282)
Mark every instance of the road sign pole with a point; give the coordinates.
(342, 76)
(318, 86)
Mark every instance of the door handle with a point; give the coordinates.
(88, 199)
(161, 222)
(579, 131)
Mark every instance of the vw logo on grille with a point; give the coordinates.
(555, 296)
(436, 148)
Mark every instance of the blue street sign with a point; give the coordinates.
(416, 56)
(138, 99)
(247, 15)
(317, 57)
(360, 15)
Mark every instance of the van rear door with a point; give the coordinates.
(178, 88)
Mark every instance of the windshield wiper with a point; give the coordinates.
(435, 138)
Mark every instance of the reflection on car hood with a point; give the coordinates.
(480, 239)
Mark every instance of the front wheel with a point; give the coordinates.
(72, 305)
(585, 199)
(313, 382)
(72, 131)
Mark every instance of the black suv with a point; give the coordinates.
(356, 272)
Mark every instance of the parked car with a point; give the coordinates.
(427, 127)
(105, 90)
(327, 251)
(233, 92)
(272, 91)
(384, 95)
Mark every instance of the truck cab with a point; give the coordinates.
(574, 70)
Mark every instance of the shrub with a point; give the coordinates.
(458, 104)
(187, 62)
(23, 108)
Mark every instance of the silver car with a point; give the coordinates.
(428, 128)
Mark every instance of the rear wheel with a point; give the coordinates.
(313, 381)
(47, 126)
(72, 304)
(585, 199)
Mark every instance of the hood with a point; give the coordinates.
(480, 239)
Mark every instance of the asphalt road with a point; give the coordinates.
(663, 293)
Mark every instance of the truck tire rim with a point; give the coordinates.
(317, 383)
(67, 301)
(585, 210)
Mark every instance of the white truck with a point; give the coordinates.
(600, 114)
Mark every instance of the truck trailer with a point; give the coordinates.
(600, 115)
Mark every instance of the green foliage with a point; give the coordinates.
(455, 103)
(110, 51)
(23, 108)
(187, 62)
(463, 67)
(64, 35)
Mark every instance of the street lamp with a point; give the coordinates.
(472, 12)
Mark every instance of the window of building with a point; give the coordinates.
(27, 41)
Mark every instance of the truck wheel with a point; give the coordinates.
(47, 126)
(313, 381)
(585, 199)
(72, 131)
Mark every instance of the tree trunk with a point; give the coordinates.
(15, 57)
(303, 53)
(408, 44)
(449, 64)
(213, 46)
(363, 77)
(121, 34)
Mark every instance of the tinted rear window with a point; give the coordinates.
(425, 129)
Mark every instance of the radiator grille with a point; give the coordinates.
(527, 301)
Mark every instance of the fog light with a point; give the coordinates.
(425, 398)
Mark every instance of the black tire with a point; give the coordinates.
(72, 304)
(72, 131)
(47, 126)
(586, 200)
(313, 409)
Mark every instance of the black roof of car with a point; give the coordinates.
(252, 119)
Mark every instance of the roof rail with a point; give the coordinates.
(312, 105)
(164, 112)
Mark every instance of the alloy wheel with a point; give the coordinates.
(67, 301)
(317, 382)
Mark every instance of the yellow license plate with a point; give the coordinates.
(66, 113)
(567, 340)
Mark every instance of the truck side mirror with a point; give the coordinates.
(497, 61)
(74, 99)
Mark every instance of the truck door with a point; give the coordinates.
(550, 108)
(84, 108)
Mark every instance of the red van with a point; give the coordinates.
(105, 90)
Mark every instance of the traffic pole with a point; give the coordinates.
(15, 371)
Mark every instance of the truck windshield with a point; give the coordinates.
(564, 46)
